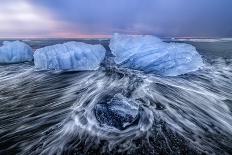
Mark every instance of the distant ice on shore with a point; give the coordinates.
(203, 39)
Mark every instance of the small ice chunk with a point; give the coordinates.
(119, 112)
(69, 56)
(151, 55)
(15, 52)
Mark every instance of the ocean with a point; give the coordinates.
(55, 112)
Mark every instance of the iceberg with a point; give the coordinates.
(15, 52)
(69, 56)
(151, 55)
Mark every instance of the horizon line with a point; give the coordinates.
(103, 36)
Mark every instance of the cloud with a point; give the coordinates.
(71, 18)
(160, 17)
(19, 18)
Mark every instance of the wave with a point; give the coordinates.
(56, 112)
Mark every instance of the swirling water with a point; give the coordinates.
(116, 111)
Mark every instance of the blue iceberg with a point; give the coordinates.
(151, 55)
(15, 52)
(69, 56)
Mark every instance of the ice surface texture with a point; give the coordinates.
(151, 55)
(15, 52)
(69, 56)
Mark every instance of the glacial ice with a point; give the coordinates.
(118, 112)
(69, 56)
(151, 55)
(15, 52)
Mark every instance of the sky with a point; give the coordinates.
(102, 18)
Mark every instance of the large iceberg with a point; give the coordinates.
(15, 52)
(151, 55)
(69, 56)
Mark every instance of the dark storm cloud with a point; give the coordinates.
(159, 17)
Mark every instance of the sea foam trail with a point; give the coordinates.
(56, 112)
